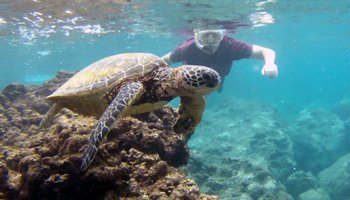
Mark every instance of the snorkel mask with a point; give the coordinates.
(208, 40)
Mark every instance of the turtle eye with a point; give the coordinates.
(206, 76)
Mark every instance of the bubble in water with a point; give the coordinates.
(44, 53)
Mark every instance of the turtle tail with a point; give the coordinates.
(55, 108)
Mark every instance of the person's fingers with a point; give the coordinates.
(273, 75)
(270, 74)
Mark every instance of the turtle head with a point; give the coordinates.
(197, 79)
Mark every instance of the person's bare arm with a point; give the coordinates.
(269, 56)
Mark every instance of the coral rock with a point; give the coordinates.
(137, 161)
(335, 179)
(318, 138)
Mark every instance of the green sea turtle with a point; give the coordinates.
(132, 83)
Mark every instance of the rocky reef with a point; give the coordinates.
(244, 155)
(335, 179)
(318, 139)
(138, 160)
(236, 179)
(241, 150)
(251, 152)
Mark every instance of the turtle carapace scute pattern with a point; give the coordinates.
(132, 83)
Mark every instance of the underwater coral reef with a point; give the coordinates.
(137, 161)
(245, 155)
(252, 152)
(249, 153)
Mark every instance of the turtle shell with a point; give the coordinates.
(88, 86)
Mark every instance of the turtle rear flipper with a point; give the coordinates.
(124, 99)
(55, 108)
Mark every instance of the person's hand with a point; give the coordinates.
(270, 70)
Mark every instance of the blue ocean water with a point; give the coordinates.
(310, 38)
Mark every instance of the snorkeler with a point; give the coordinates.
(213, 48)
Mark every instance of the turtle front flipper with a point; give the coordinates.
(127, 95)
(190, 114)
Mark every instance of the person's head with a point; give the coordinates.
(208, 41)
